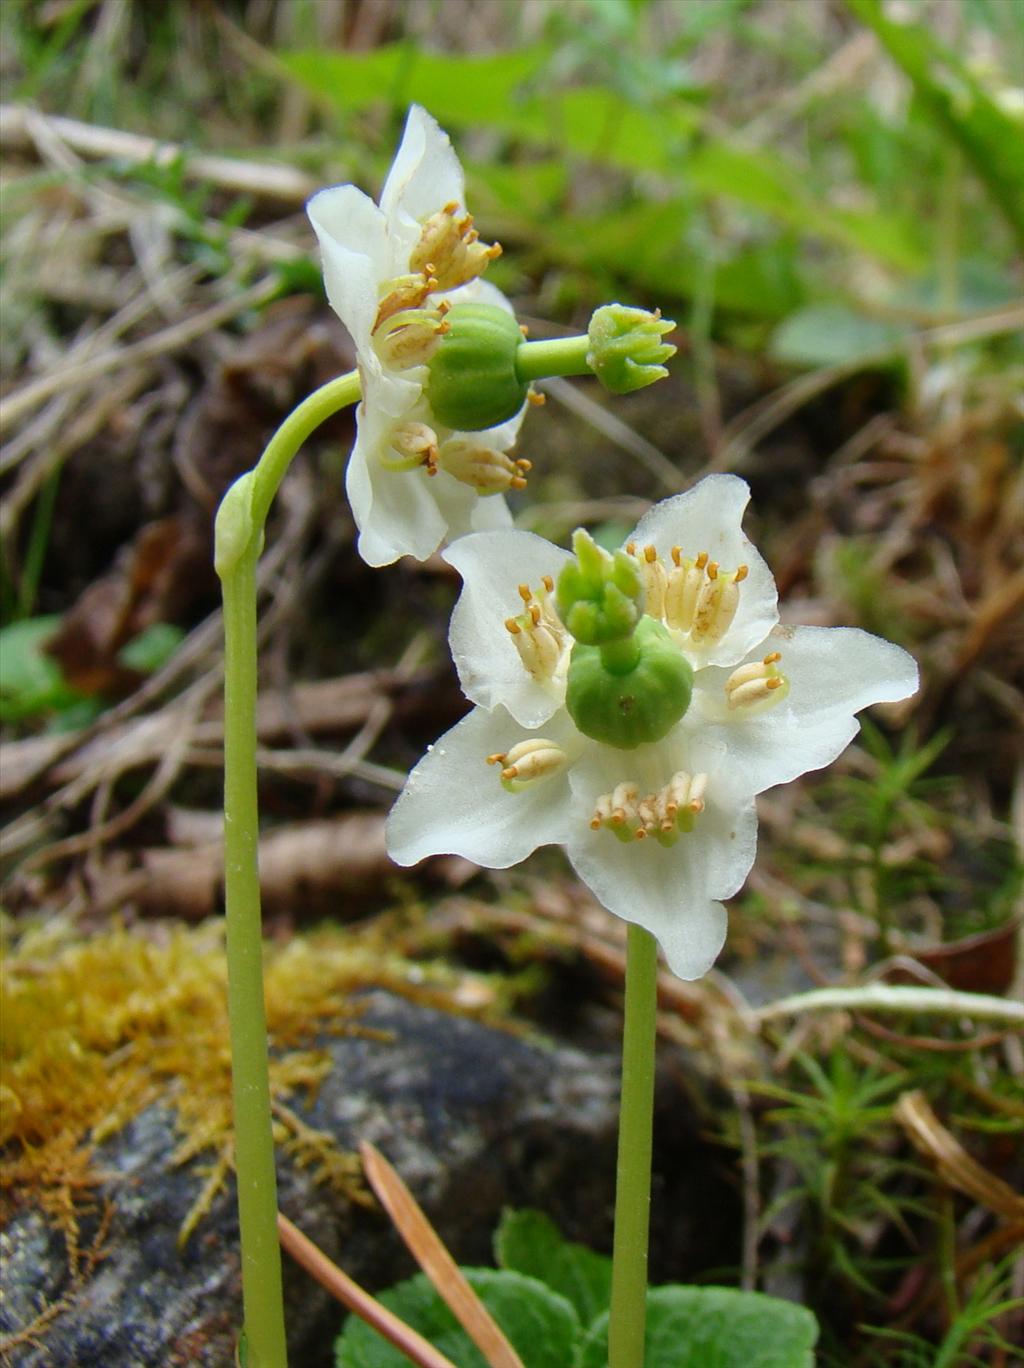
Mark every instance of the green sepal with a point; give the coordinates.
(473, 382)
(629, 709)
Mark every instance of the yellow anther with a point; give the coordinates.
(742, 571)
(650, 554)
(534, 611)
(548, 583)
(712, 570)
(677, 555)
(702, 560)
(512, 626)
(498, 758)
(525, 592)
(631, 548)
(755, 687)
(530, 760)
(412, 444)
(536, 398)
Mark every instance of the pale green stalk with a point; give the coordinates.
(627, 1323)
(239, 540)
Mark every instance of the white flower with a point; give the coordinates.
(661, 832)
(390, 272)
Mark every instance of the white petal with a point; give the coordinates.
(454, 803)
(464, 510)
(672, 891)
(424, 177)
(352, 236)
(657, 888)
(709, 518)
(489, 514)
(833, 672)
(395, 510)
(492, 565)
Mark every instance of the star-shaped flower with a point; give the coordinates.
(660, 830)
(392, 271)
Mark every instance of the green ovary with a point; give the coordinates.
(633, 707)
(473, 382)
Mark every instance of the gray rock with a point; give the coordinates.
(474, 1118)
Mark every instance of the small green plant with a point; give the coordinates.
(551, 1298)
(839, 1139)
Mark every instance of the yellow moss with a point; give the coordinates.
(94, 1031)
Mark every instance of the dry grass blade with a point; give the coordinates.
(935, 1142)
(430, 1253)
(316, 1263)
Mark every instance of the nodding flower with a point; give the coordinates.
(396, 274)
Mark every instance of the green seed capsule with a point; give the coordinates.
(632, 708)
(473, 383)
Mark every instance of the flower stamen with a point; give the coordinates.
(756, 687)
(527, 762)
(403, 292)
(482, 467)
(664, 814)
(450, 250)
(537, 632)
(412, 444)
(410, 337)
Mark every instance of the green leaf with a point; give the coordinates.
(458, 89)
(716, 1327)
(529, 1242)
(152, 648)
(831, 335)
(542, 1326)
(991, 139)
(762, 180)
(31, 681)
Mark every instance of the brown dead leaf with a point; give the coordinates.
(931, 1138)
(155, 579)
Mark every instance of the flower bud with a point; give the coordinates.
(599, 595)
(473, 383)
(626, 351)
(635, 707)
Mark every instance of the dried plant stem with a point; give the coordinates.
(883, 997)
(239, 539)
(628, 1319)
(360, 1303)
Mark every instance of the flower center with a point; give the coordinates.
(756, 687)
(664, 814)
(693, 596)
(528, 762)
(537, 632)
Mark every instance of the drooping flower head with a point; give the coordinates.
(393, 271)
(630, 707)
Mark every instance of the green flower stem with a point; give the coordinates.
(559, 356)
(626, 1327)
(238, 543)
